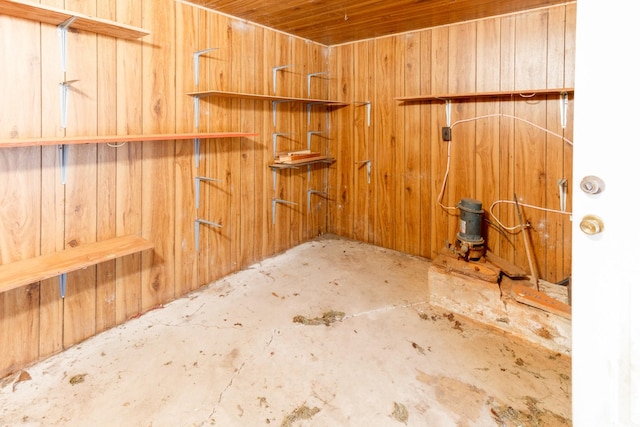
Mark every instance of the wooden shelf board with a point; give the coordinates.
(225, 94)
(27, 142)
(56, 16)
(33, 270)
(525, 94)
(327, 160)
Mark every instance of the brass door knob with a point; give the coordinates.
(591, 224)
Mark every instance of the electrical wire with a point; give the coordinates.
(495, 218)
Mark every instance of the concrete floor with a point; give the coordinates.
(330, 333)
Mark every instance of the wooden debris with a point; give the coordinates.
(477, 269)
(505, 266)
(530, 296)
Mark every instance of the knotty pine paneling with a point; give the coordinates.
(498, 148)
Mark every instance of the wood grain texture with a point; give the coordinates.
(106, 164)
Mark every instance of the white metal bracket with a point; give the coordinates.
(274, 202)
(447, 109)
(62, 40)
(274, 137)
(309, 106)
(562, 191)
(196, 63)
(309, 134)
(309, 193)
(196, 151)
(309, 76)
(196, 111)
(367, 104)
(62, 283)
(274, 104)
(197, 223)
(198, 179)
(274, 72)
(368, 163)
(63, 154)
(564, 105)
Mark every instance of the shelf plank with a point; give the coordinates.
(33, 270)
(55, 16)
(28, 142)
(225, 94)
(327, 160)
(524, 94)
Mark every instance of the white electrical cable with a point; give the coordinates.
(446, 174)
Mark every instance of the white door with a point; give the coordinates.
(606, 266)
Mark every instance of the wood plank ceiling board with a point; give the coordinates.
(332, 22)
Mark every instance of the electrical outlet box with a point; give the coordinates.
(446, 133)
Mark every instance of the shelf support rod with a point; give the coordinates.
(62, 39)
(274, 72)
(309, 193)
(274, 202)
(63, 154)
(309, 76)
(62, 283)
(564, 105)
(196, 62)
(198, 179)
(368, 163)
(197, 223)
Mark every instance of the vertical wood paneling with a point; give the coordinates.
(411, 168)
(530, 143)
(20, 192)
(158, 180)
(298, 179)
(360, 135)
(81, 185)
(427, 195)
(52, 196)
(244, 69)
(399, 213)
(268, 50)
(129, 161)
(385, 143)
(439, 84)
(186, 275)
(487, 147)
(106, 173)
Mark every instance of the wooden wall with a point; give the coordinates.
(135, 87)
(491, 158)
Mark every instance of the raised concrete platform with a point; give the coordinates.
(492, 303)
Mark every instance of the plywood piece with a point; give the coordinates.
(32, 270)
(55, 16)
(476, 269)
(258, 97)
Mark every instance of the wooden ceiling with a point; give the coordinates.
(331, 22)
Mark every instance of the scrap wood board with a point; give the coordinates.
(479, 270)
(534, 298)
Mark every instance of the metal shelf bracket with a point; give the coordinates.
(198, 179)
(63, 154)
(274, 72)
(62, 283)
(62, 40)
(309, 134)
(310, 192)
(274, 202)
(274, 137)
(197, 223)
(564, 105)
(368, 163)
(196, 62)
(309, 76)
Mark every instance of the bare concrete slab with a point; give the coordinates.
(330, 333)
